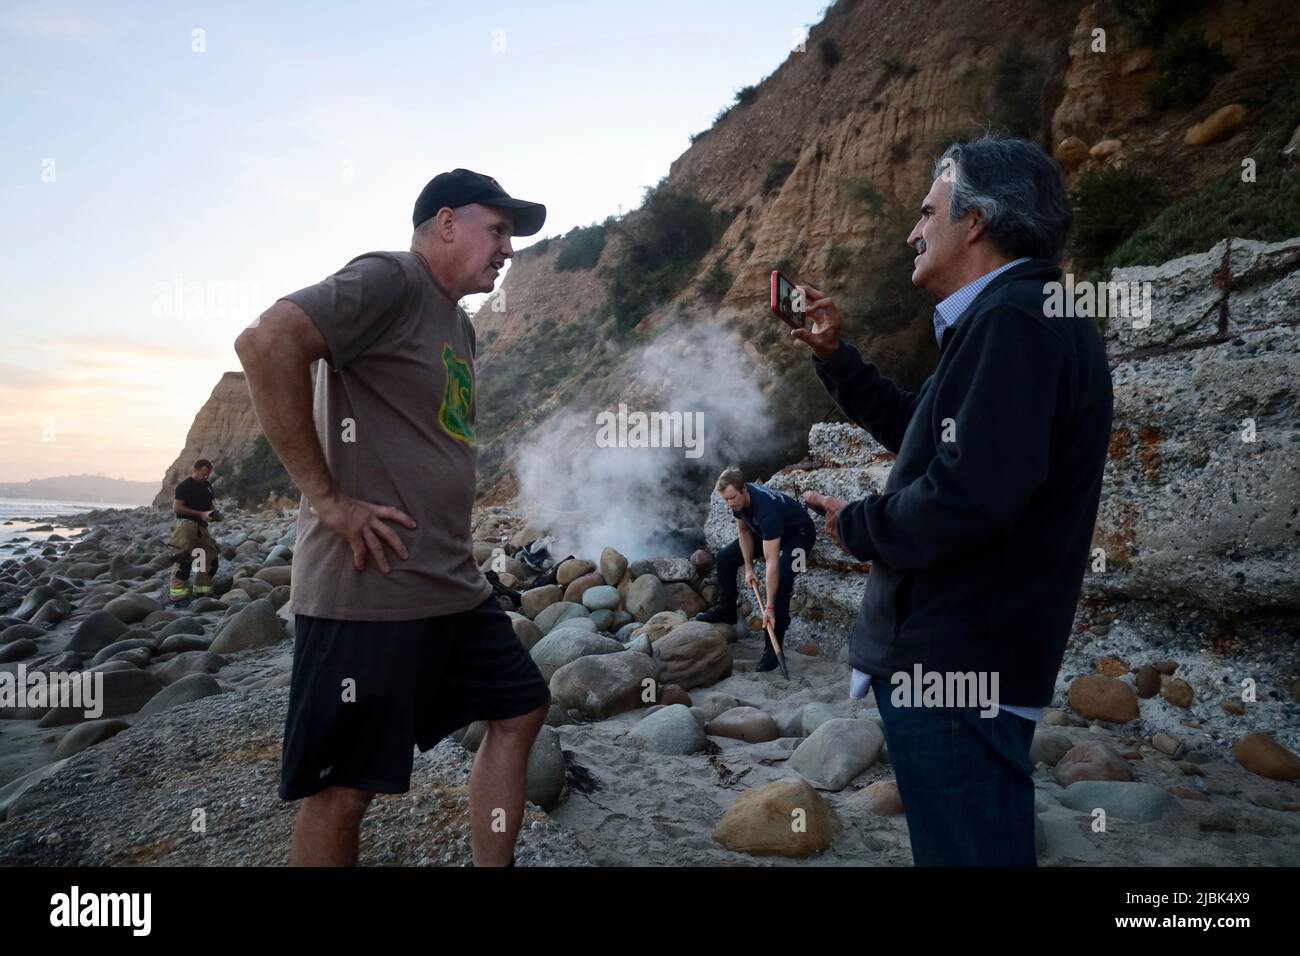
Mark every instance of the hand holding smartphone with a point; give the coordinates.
(822, 322)
(787, 301)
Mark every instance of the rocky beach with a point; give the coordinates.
(1171, 739)
(617, 340)
(182, 768)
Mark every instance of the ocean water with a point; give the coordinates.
(18, 516)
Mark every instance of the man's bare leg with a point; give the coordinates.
(499, 782)
(328, 828)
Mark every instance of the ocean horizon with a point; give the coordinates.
(24, 513)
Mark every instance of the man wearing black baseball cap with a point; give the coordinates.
(460, 187)
(392, 657)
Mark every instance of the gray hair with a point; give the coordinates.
(425, 228)
(1016, 188)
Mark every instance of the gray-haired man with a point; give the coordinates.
(979, 540)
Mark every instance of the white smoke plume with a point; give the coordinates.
(630, 498)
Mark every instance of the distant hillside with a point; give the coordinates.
(224, 432)
(82, 488)
(818, 170)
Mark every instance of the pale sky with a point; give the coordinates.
(169, 169)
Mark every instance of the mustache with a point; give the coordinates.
(919, 246)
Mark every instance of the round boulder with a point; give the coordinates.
(1103, 698)
(646, 597)
(87, 735)
(572, 569)
(601, 598)
(132, 607)
(1265, 757)
(96, 632)
(17, 632)
(253, 626)
(545, 773)
(760, 821)
(18, 650)
(527, 632)
(695, 654)
(743, 723)
(565, 645)
(671, 730)
(578, 587)
(837, 751)
(187, 689)
(602, 685)
(536, 600)
(555, 613)
(1091, 760)
(612, 566)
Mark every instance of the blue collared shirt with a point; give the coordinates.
(947, 312)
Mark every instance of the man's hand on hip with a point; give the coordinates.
(825, 321)
(361, 524)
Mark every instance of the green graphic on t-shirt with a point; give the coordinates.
(458, 399)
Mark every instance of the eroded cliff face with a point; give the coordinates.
(907, 85)
(822, 173)
(1105, 94)
(223, 431)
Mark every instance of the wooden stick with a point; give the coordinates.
(771, 634)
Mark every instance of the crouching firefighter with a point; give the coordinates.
(191, 542)
(774, 526)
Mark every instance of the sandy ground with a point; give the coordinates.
(651, 809)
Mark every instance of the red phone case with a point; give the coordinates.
(787, 319)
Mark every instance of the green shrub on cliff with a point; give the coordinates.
(665, 240)
(777, 173)
(1267, 209)
(862, 193)
(1110, 204)
(896, 66)
(717, 281)
(1187, 66)
(1017, 83)
(260, 475)
(1149, 20)
(582, 248)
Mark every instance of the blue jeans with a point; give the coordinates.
(965, 781)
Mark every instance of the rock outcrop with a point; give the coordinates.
(223, 432)
(1201, 486)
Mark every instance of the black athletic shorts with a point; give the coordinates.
(365, 693)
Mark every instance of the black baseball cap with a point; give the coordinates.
(460, 187)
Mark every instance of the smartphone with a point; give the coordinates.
(784, 298)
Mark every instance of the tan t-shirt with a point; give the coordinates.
(395, 417)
